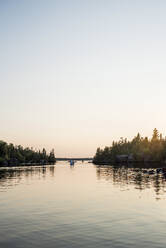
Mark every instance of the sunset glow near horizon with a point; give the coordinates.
(76, 75)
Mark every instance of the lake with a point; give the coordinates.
(82, 206)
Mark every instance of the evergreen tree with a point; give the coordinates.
(15, 155)
(139, 149)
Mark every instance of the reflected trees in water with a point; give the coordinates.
(140, 178)
(13, 176)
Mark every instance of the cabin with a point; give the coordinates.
(124, 158)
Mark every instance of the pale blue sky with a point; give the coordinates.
(79, 74)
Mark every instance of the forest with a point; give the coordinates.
(11, 155)
(139, 149)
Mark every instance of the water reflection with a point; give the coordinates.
(120, 176)
(140, 177)
(63, 206)
(13, 176)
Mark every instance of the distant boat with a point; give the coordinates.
(71, 162)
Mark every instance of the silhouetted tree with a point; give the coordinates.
(139, 148)
(15, 155)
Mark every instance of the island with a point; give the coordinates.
(12, 155)
(139, 149)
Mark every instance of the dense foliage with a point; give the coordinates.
(138, 149)
(15, 155)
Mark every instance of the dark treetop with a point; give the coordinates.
(16, 155)
(139, 149)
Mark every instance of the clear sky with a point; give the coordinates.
(78, 74)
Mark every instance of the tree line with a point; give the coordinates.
(139, 149)
(16, 155)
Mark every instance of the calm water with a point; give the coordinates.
(81, 206)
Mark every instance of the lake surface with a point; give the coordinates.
(82, 206)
